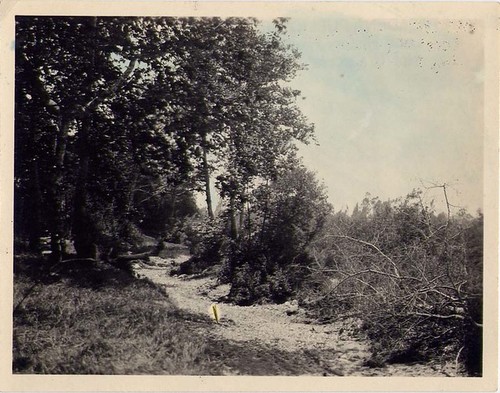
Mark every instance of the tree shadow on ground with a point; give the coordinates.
(252, 358)
(77, 273)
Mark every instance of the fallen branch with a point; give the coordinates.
(438, 316)
(78, 260)
(144, 256)
(373, 246)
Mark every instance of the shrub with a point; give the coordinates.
(283, 217)
(413, 278)
(205, 239)
(256, 280)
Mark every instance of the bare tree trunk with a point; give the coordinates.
(206, 175)
(232, 214)
(35, 229)
(57, 197)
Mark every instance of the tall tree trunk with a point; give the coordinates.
(126, 219)
(241, 222)
(206, 175)
(173, 207)
(131, 195)
(266, 213)
(57, 191)
(232, 215)
(83, 226)
(241, 214)
(35, 223)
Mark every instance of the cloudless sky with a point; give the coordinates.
(397, 104)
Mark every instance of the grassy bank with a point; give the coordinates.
(99, 320)
(96, 319)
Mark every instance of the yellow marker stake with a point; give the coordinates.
(215, 312)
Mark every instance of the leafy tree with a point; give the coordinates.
(263, 132)
(66, 66)
(114, 105)
(239, 117)
(271, 260)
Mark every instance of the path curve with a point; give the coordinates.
(277, 326)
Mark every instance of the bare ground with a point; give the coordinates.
(274, 339)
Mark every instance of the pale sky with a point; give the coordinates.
(394, 103)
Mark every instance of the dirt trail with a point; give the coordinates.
(274, 326)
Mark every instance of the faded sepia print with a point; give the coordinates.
(293, 191)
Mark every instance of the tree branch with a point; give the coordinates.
(438, 316)
(373, 246)
(112, 90)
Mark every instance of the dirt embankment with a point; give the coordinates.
(332, 347)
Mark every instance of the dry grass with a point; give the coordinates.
(112, 324)
(95, 319)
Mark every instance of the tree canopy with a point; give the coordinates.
(107, 107)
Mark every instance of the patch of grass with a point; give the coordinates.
(101, 321)
(96, 319)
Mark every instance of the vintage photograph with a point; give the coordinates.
(298, 194)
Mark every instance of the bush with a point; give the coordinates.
(248, 286)
(256, 280)
(412, 277)
(269, 259)
(205, 238)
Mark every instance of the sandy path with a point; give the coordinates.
(270, 325)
